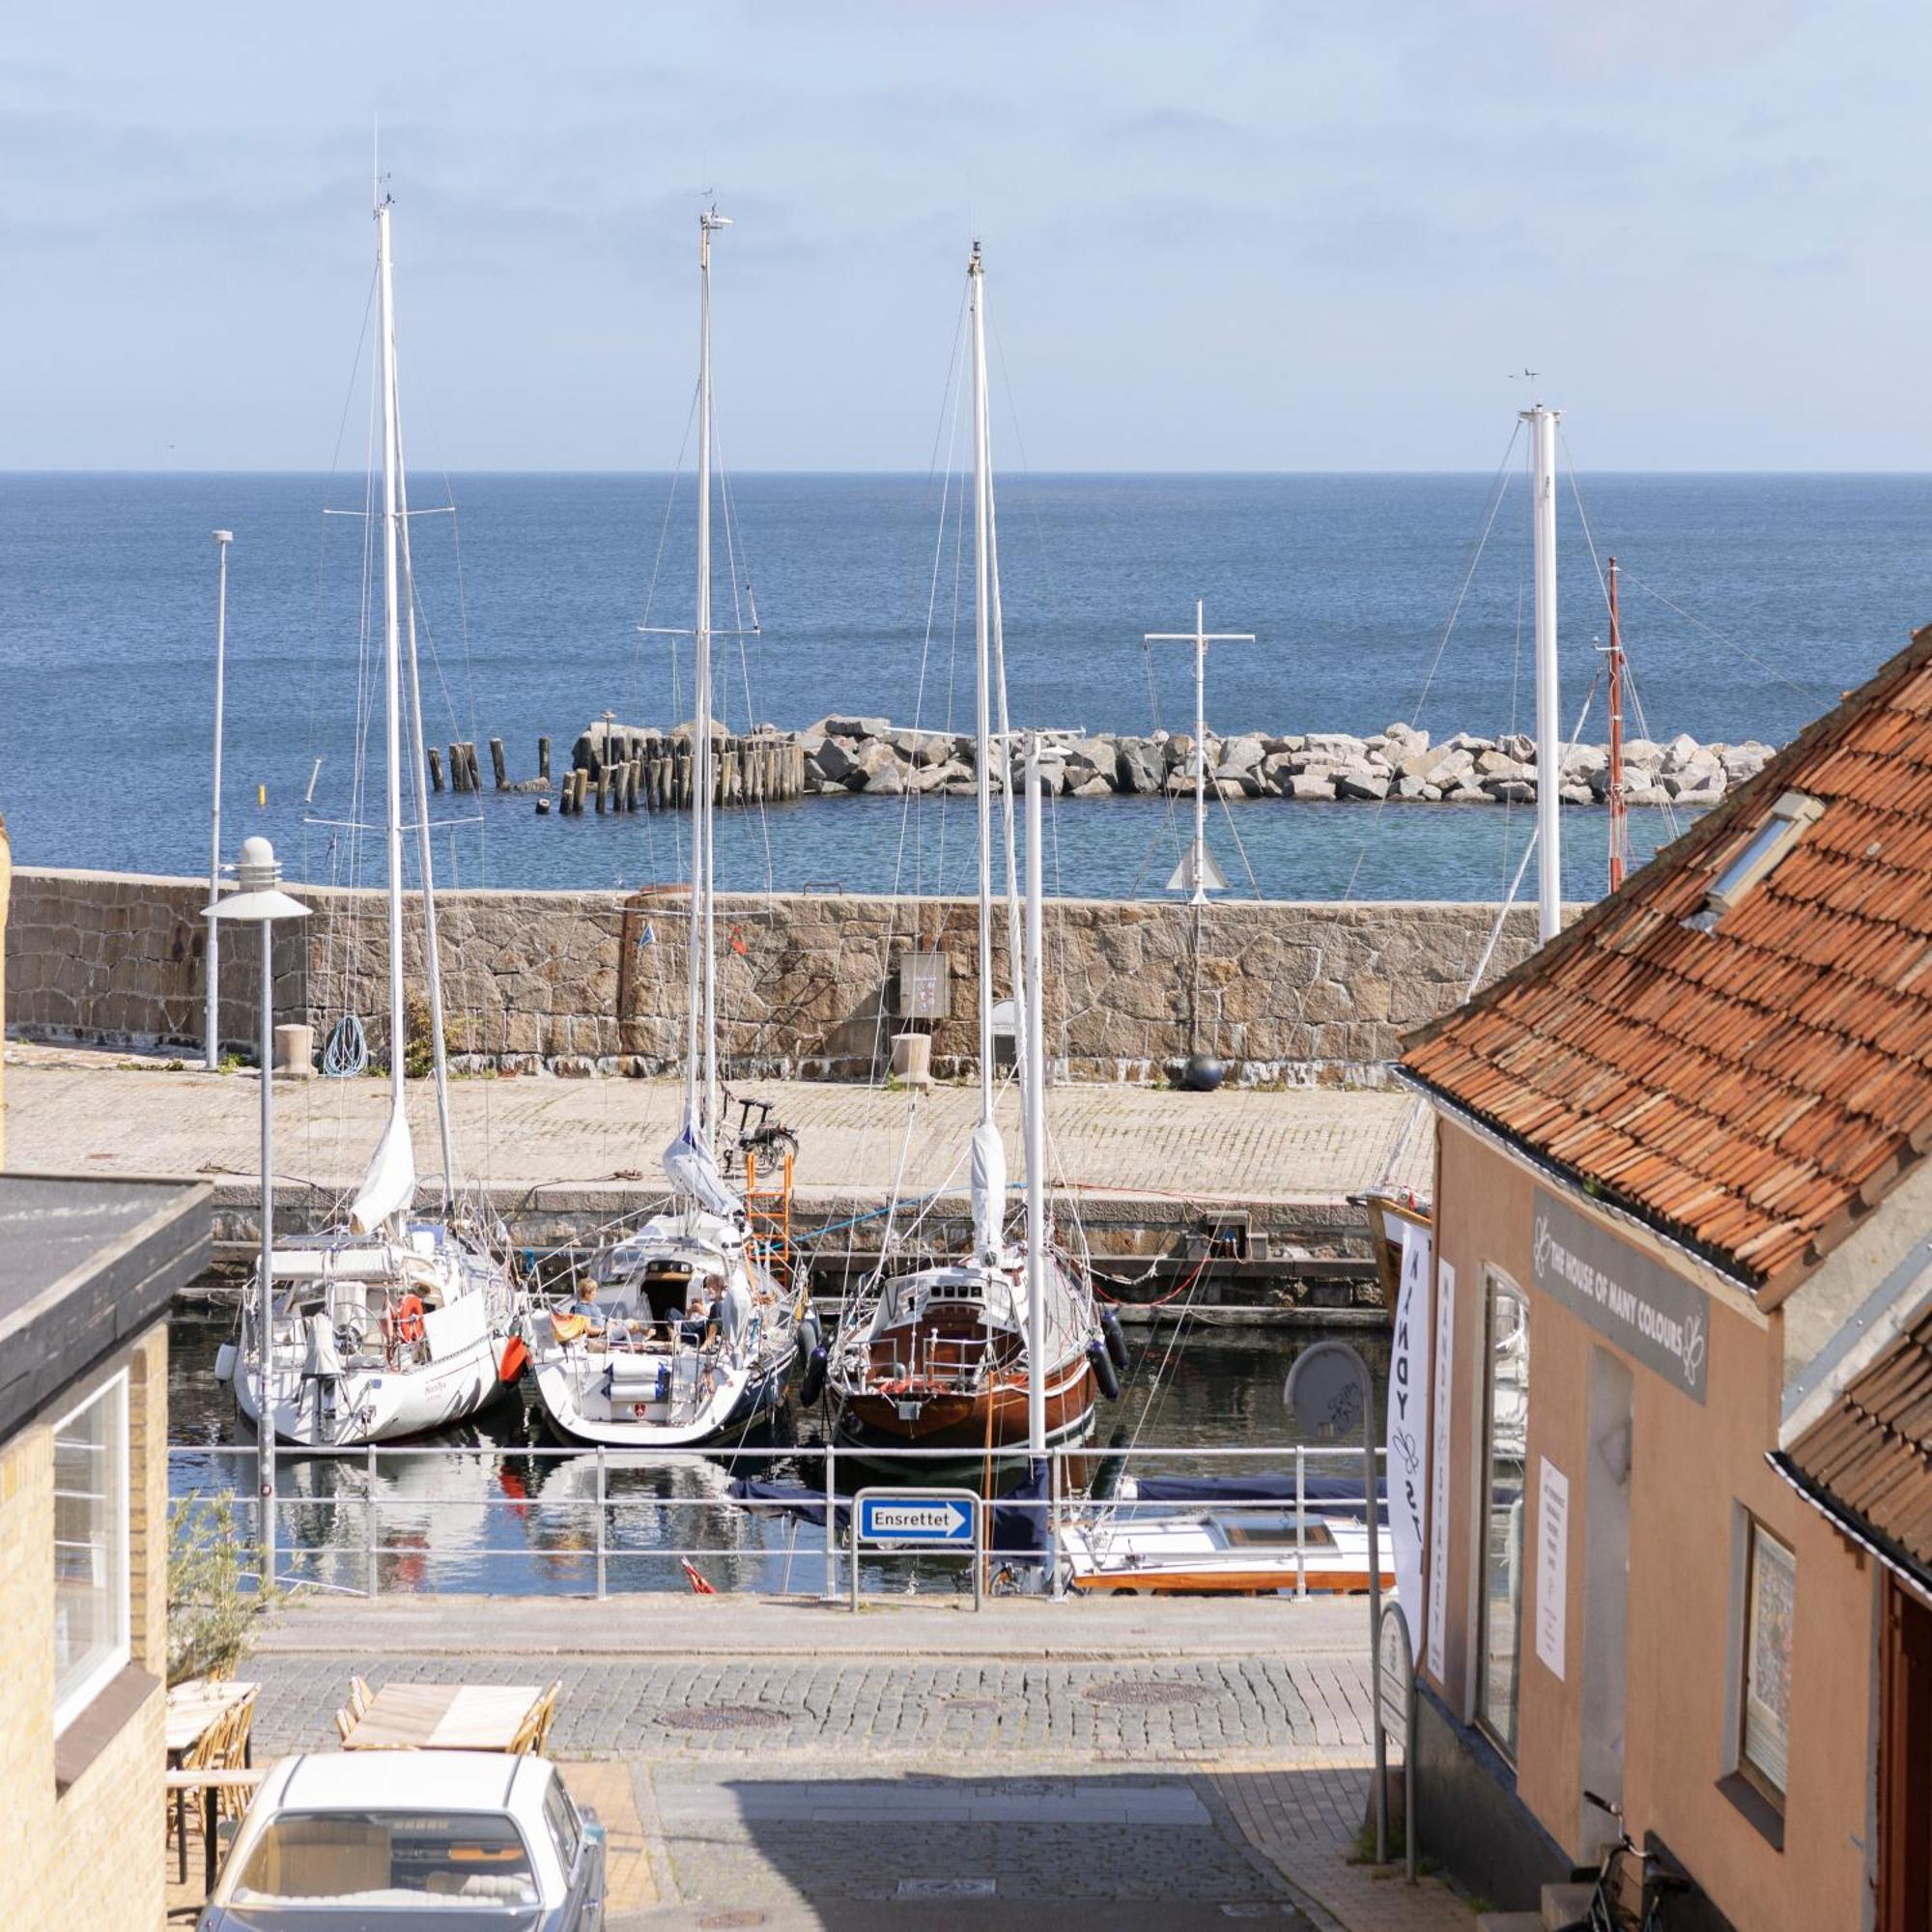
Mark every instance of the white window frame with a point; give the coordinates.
(120, 1584)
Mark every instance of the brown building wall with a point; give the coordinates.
(1692, 1468)
(90, 1855)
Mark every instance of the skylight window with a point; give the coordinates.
(1753, 860)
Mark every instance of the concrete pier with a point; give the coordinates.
(1265, 1177)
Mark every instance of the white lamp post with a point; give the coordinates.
(212, 1028)
(261, 902)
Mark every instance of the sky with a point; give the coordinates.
(1224, 236)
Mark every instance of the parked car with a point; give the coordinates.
(396, 1841)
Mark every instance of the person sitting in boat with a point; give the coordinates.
(584, 1305)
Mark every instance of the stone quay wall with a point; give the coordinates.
(582, 982)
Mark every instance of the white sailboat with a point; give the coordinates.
(387, 1326)
(975, 1352)
(692, 1334)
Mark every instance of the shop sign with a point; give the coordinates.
(1648, 1310)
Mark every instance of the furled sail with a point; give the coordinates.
(391, 1185)
(990, 1188)
(694, 1171)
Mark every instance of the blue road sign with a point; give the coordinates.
(918, 1516)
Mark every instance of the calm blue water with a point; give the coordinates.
(532, 594)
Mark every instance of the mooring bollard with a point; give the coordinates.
(434, 769)
(498, 765)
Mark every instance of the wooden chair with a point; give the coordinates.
(236, 1752)
(360, 1697)
(345, 1722)
(532, 1736)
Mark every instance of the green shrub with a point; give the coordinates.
(209, 1608)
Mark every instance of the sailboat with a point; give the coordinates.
(692, 1334)
(974, 1352)
(387, 1326)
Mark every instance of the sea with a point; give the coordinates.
(1749, 603)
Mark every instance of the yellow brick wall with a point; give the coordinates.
(92, 1855)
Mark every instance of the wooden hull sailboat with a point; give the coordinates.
(945, 1362)
(1000, 1347)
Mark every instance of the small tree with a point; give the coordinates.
(209, 1610)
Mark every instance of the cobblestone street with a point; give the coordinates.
(1157, 1764)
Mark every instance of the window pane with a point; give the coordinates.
(1767, 1700)
(90, 1545)
(562, 1821)
(1506, 1432)
(346, 1857)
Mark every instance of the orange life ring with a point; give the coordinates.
(403, 1321)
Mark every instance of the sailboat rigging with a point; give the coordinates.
(1000, 1346)
(387, 1327)
(683, 1330)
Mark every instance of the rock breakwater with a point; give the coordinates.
(848, 754)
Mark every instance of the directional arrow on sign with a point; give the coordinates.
(912, 1517)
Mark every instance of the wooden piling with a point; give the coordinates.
(543, 758)
(434, 769)
(455, 766)
(498, 764)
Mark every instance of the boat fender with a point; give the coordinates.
(809, 1335)
(515, 1355)
(1103, 1369)
(224, 1362)
(1116, 1339)
(664, 1382)
(813, 1384)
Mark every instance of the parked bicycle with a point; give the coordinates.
(770, 1140)
(1625, 1864)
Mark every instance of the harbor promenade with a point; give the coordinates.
(776, 1763)
(557, 1158)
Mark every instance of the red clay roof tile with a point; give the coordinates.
(1753, 1089)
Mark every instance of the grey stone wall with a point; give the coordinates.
(582, 982)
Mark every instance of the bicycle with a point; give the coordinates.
(770, 1140)
(1655, 1881)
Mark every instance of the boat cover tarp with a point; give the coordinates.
(391, 1185)
(990, 1188)
(793, 1498)
(693, 1170)
(1019, 1525)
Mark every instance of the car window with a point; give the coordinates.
(560, 1814)
(359, 1859)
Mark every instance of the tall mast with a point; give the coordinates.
(432, 958)
(1034, 1092)
(1618, 800)
(982, 725)
(1548, 728)
(702, 1037)
(1199, 868)
(212, 1027)
(392, 705)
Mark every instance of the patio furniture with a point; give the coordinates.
(445, 1716)
(217, 1786)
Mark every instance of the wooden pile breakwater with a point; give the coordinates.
(639, 767)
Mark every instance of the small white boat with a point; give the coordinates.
(1142, 1549)
(379, 1337)
(647, 1377)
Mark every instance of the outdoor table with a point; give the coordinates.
(194, 1708)
(443, 1716)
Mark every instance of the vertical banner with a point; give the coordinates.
(1552, 1562)
(1439, 1471)
(1406, 1420)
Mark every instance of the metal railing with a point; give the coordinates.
(337, 1511)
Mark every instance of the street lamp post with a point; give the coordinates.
(212, 1028)
(1330, 1390)
(260, 901)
